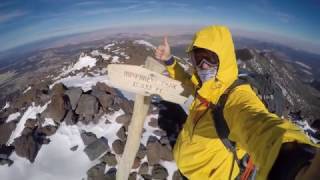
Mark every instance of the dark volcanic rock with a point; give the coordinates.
(142, 151)
(5, 151)
(126, 105)
(166, 153)
(122, 133)
(124, 119)
(58, 89)
(97, 172)
(105, 88)
(74, 148)
(111, 174)
(88, 137)
(71, 118)
(106, 100)
(74, 96)
(118, 146)
(159, 132)
(136, 163)
(153, 122)
(26, 146)
(159, 172)
(87, 105)
(57, 108)
(164, 140)
(47, 130)
(132, 176)
(177, 176)
(97, 148)
(153, 152)
(31, 123)
(109, 159)
(144, 168)
(6, 130)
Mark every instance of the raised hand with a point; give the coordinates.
(163, 51)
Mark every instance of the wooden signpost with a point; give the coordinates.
(144, 81)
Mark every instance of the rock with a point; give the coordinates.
(86, 119)
(136, 163)
(26, 146)
(105, 88)
(57, 108)
(153, 122)
(144, 168)
(118, 146)
(97, 117)
(122, 133)
(124, 119)
(152, 139)
(142, 151)
(71, 118)
(74, 95)
(31, 123)
(132, 176)
(153, 152)
(58, 89)
(5, 151)
(88, 137)
(74, 148)
(164, 140)
(111, 174)
(125, 105)
(159, 172)
(96, 172)
(6, 161)
(177, 176)
(97, 148)
(106, 100)
(87, 105)
(166, 153)
(147, 177)
(109, 159)
(159, 132)
(48, 130)
(6, 130)
(26, 131)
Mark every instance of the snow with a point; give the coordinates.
(109, 45)
(85, 83)
(13, 116)
(7, 105)
(115, 59)
(30, 113)
(27, 89)
(303, 65)
(48, 121)
(84, 61)
(143, 42)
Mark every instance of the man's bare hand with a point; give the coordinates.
(163, 51)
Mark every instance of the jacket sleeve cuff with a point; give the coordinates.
(170, 61)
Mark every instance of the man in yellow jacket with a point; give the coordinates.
(268, 139)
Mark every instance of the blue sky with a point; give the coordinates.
(24, 21)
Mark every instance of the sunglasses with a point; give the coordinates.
(200, 56)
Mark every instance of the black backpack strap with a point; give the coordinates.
(219, 121)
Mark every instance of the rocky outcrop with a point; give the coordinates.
(97, 148)
(74, 96)
(27, 146)
(6, 130)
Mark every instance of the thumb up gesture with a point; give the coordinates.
(163, 50)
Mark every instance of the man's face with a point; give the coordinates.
(204, 59)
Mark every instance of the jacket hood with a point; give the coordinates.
(217, 39)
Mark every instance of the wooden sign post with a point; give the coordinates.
(144, 82)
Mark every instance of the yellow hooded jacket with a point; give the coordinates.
(199, 153)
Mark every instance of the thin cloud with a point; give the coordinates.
(88, 3)
(266, 9)
(4, 17)
(110, 10)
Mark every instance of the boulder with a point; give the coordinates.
(164, 140)
(124, 119)
(31, 123)
(58, 89)
(6, 130)
(144, 168)
(109, 159)
(166, 153)
(97, 148)
(74, 95)
(57, 108)
(153, 152)
(88, 137)
(177, 176)
(159, 132)
(106, 100)
(153, 122)
(122, 133)
(142, 151)
(71, 118)
(105, 88)
(159, 172)
(48, 130)
(125, 105)
(118, 146)
(132, 176)
(97, 172)
(87, 105)
(74, 148)
(136, 163)
(111, 174)
(26, 146)
(5, 151)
